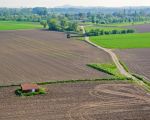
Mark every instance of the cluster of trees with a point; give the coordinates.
(98, 32)
(55, 24)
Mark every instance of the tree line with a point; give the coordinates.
(94, 15)
(98, 32)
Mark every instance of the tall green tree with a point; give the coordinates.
(53, 24)
(63, 24)
(73, 26)
(44, 23)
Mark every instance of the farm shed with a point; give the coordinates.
(26, 87)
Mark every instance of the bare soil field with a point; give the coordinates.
(138, 60)
(140, 28)
(81, 101)
(36, 56)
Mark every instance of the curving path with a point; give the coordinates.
(112, 54)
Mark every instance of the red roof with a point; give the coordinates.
(29, 86)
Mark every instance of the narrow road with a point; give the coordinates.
(112, 54)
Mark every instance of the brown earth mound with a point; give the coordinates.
(82, 101)
(35, 55)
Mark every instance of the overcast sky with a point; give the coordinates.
(53, 3)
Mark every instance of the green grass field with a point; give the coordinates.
(123, 41)
(13, 25)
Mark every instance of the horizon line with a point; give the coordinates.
(75, 6)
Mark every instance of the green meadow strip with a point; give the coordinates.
(110, 69)
(69, 81)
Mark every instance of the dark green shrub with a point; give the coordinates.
(123, 31)
(114, 31)
(130, 31)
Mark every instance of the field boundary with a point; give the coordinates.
(70, 81)
(142, 83)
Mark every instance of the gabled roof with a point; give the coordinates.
(29, 86)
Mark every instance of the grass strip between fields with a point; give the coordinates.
(69, 81)
(110, 69)
(143, 83)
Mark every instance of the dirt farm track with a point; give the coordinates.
(80, 101)
(36, 56)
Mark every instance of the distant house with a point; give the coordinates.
(26, 87)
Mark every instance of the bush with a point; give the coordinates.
(123, 31)
(130, 31)
(106, 32)
(114, 31)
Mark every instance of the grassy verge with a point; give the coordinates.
(143, 83)
(85, 80)
(141, 78)
(124, 66)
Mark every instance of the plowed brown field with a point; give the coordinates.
(81, 101)
(140, 28)
(138, 60)
(36, 55)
